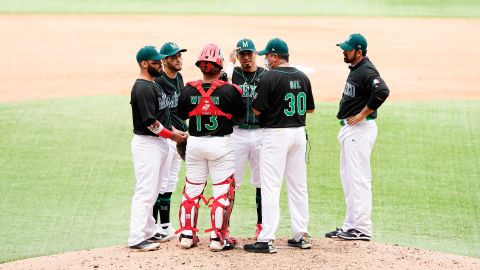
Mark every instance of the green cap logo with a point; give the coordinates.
(275, 45)
(246, 45)
(170, 49)
(354, 42)
(149, 53)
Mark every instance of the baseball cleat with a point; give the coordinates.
(261, 247)
(304, 243)
(161, 237)
(187, 241)
(333, 234)
(216, 245)
(353, 234)
(145, 245)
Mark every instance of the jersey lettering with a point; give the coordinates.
(295, 85)
(162, 101)
(196, 99)
(349, 90)
(248, 90)
(172, 101)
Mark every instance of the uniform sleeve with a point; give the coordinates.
(310, 101)
(260, 99)
(239, 108)
(378, 89)
(183, 100)
(146, 106)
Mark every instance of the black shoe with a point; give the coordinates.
(145, 245)
(260, 247)
(304, 243)
(353, 234)
(161, 237)
(333, 234)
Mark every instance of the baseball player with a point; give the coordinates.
(283, 98)
(210, 105)
(247, 134)
(151, 128)
(364, 92)
(171, 82)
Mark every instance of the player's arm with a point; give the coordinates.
(310, 102)
(260, 99)
(164, 132)
(379, 93)
(230, 65)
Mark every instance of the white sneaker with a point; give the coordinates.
(216, 245)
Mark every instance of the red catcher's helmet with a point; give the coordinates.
(211, 53)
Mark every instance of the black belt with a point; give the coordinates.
(247, 126)
(343, 121)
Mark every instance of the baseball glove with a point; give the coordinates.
(182, 149)
(223, 76)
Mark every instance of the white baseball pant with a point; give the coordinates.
(283, 155)
(171, 177)
(356, 145)
(150, 164)
(247, 143)
(209, 155)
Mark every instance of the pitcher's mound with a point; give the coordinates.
(325, 254)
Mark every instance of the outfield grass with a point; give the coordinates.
(67, 180)
(383, 8)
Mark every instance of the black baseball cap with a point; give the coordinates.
(246, 44)
(170, 49)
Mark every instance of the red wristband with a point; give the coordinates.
(165, 133)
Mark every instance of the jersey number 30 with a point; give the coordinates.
(210, 126)
(296, 104)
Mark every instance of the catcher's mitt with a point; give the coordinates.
(182, 149)
(223, 76)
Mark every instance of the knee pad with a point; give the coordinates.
(189, 211)
(225, 202)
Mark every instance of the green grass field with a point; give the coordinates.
(382, 8)
(67, 179)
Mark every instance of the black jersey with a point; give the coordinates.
(284, 95)
(364, 86)
(227, 98)
(149, 103)
(172, 88)
(247, 81)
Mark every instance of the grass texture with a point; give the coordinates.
(382, 8)
(67, 179)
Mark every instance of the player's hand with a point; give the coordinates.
(178, 136)
(233, 55)
(355, 119)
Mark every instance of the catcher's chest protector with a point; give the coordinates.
(206, 106)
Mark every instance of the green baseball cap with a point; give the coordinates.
(170, 49)
(149, 53)
(275, 45)
(354, 41)
(246, 44)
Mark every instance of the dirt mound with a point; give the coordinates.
(326, 254)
